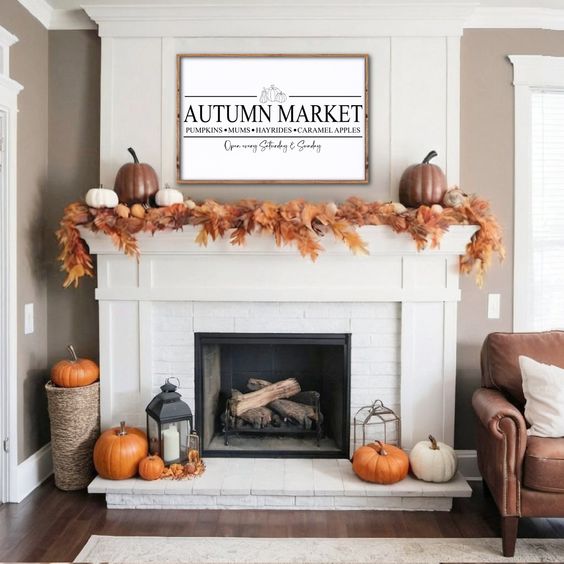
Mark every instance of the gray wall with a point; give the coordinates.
(74, 162)
(487, 168)
(29, 66)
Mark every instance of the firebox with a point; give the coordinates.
(271, 395)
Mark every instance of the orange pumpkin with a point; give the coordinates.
(380, 463)
(119, 451)
(151, 467)
(422, 184)
(74, 372)
(136, 182)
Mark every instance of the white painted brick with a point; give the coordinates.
(327, 310)
(166, 338)
(385, 340)
(384, 326)
(176, 353)
(368, 395)
(321, 502)
(375, 381)
(426, 503)
(374, 354)
(214, 324)
(172, 309)
(376, 310)
(263, 309)
(237, 500)
(385, 368)
(292, 310)
(168, 324)
(222, 309)
(360, 368)
(269, 325)
(276, 500)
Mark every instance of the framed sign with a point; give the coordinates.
(286, 119)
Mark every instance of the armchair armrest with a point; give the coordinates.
(502, 441)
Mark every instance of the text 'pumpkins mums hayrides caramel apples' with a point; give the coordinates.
(136, 182)
(119, 451)
(422, 184)
(380, 463)
(74, 372)
(432, 461)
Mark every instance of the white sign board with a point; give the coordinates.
(284, 119)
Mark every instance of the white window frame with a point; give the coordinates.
(9, 90)
(530, 73)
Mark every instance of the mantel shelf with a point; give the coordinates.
(381, 240)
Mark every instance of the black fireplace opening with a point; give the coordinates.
(300, 394)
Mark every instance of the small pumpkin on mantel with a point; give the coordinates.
(422, 184)
(168, 196)
(136, 182)
(101, 198)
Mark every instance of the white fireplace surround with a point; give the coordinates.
(399, 306)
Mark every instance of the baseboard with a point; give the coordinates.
(468, 464)
(33, 471)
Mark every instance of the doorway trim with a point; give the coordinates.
(9, 90)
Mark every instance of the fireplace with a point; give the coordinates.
(313, 422)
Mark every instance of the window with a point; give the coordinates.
(547, 209)
(539, 193)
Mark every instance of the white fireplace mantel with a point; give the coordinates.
(151, 308)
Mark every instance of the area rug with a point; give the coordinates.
(238, 550)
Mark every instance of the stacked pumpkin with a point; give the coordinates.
(430, 461)
(136, 186)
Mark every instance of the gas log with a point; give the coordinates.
(298, 413)
(264, 396)
(258, 417)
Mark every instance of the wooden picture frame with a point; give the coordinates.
(235, 125)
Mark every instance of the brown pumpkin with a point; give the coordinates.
(136, 182)
(151, 467)
(422, 184)
(74, 372)
(380, 463)
(119, 451)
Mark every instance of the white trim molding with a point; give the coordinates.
(530, 72)
(55, 18)
(9, 90)
(516, 18)
(33, 471)
(272, 18)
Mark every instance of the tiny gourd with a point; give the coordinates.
(151, 467)
(74, 372)
(433, 461)
(138, 211)
(101, 198)
(168, 196)
(454, 198)
(380, 463)
(118, 452)
(121, 210)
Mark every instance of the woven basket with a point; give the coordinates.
(75, 425)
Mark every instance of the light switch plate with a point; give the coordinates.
(494, 304)
(28, 319)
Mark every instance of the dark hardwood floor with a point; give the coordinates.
(51, 525)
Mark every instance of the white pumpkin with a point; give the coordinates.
(101, 198)
(168, 196)
(432, 461)
(398, 208)
(437, 209)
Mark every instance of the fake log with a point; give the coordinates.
(262, 397)
(296, 412)
(255, 384)
(258, 417)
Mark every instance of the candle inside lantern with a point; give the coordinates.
(171, 440)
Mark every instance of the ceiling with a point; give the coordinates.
(74, 4)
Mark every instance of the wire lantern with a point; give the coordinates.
(376, 422)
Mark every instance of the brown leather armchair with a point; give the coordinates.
(525, 475)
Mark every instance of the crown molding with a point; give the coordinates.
(517, 18)
(307, 18)
(53, 19)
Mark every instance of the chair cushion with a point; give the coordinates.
(544, 465)
(500, 359)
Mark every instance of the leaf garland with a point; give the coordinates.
(298, 222)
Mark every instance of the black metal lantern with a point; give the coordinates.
(169, 424)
